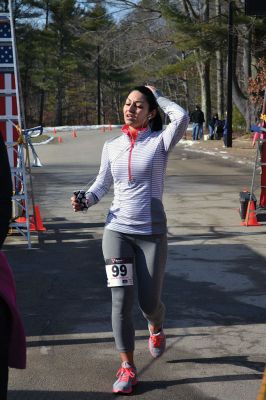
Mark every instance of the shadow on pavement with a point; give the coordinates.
(80, 341)
(51, 395)
(61, 286)
(241, 361)
(165, 387)
(148, 386)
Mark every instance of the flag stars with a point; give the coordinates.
(6, 55)
(5, 31)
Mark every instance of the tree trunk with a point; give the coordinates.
(187, 94)
(220, 83)
(204, 73)
(204, 70)
(240, 96)
(25, 93)
(170, 94)
(247, 50)
(42, 91)
(116, 103)
(220, 70)
(41, 111)
(102, 107)
(59, 106)
(60, 82)
(186, 87)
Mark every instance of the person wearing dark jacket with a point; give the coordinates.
(12, 336)
(213, 123)
(225, 131)
(5, 192)
(197, 119)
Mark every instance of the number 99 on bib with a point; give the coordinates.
(119, 272)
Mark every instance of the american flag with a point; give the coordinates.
(8, 100)
(5, 30)
(6, 56)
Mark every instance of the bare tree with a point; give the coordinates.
(220, 68)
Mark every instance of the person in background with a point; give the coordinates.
(12, 336)
(225, 131)
(218, 134)
(197, 119)
(260, 139)
(135, 235)
(259, 135)
(213, 123)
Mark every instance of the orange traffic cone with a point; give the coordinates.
(37, 225)
(20, 220)
(23, 220)
(251, 219)
(74, 134)
(40, 226)
(60, 140)
(32, 224)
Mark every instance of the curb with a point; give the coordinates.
(44, 142)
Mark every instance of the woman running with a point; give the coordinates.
(135, 235)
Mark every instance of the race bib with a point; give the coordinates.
(119, 272)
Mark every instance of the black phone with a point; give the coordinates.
(81, 198)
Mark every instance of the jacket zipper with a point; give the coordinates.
(130, 158)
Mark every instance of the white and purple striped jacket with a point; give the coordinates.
(137, 171)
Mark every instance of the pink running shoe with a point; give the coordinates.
(127, 378)
(157, 342)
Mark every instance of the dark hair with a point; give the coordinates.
(155, 123)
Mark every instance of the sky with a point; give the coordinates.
(120, 10)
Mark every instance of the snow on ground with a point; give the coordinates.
(188, 145)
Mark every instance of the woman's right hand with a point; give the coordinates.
(75, 204)
(152, 88)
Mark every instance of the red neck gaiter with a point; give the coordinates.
(132, 133)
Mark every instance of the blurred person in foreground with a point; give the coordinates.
(5, 192)
(259, 138)
(12, 336)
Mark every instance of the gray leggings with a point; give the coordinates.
(149, 253)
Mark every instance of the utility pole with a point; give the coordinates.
(230, 73)
(42, 94)
(99, 84)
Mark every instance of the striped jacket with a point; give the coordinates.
(137, 171)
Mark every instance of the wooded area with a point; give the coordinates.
(73, 52)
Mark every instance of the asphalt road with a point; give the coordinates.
(215, 289)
